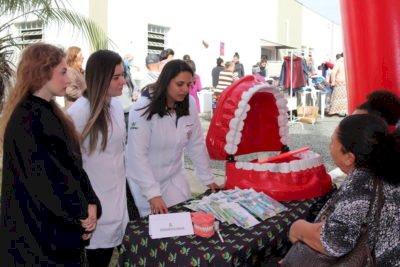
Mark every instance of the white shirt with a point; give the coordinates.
(154, 155)
(106, 171)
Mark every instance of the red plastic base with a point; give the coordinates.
(305, 184)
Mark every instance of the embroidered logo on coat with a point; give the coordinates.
(133, 126)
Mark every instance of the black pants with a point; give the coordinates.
(133, 211)
(99, 257)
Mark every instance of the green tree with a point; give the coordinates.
(49, 12)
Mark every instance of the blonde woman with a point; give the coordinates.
(47, 202)
(77, 82)
(99, 118)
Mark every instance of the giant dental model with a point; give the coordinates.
(251, 116)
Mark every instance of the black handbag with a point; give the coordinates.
(302, 255)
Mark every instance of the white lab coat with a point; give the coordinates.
(154, 155)
(106, 171)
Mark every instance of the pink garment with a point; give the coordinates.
(196, 87)
(298, 73)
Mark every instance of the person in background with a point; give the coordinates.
(362, 147)
(384, 104)
(48, 207)
(75, 72)
(216, 70)
(162, 124)
(196, 85)
(338, 104)
(189, 60)
(99, 119)
(153, 66)
(226, 77)
(130, 91)
(261, 68)
(165, 56)
(239, 69)
(128, 65)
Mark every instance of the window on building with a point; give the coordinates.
(156, 38)
(30, 32)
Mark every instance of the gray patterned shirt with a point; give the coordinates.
(342, 228)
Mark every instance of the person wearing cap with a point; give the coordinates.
(153, 65)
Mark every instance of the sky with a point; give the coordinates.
(327, 8)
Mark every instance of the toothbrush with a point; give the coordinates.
(216, 227)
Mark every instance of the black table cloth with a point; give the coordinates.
(242, 247)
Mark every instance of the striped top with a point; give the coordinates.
(225, 79)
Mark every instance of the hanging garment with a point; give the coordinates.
(298, 79)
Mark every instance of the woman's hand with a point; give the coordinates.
(295, 231)
(214, 187)
(158, 206)
(309, 233)
(86, 236)
(89, 224)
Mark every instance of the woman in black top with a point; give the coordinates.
(48, 207)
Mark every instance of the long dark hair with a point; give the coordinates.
(157, 92)
(100, 69)
(367, 137)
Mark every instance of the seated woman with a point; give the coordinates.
(362, 147)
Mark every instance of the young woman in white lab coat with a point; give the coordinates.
(99, 118)
(162, 123)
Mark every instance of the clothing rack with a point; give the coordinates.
(292, 101)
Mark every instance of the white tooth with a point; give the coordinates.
(273, 167)
(254, 89)
(282, 120)
(233, 123)
(243, 116)
(239, 165)
(240, 126)
(285, 139)
(229, 148)
(264, 167)
(295, 165)
(277, 94)
(247, 108)
(247, 166)
(284, 167)
(238, 138)
(259, 167)
(234, 149)
(230, 137)
(246, 96)
(278, 97)
(309, 164)
(280, 103)
(242, 104)
(283, 130)
(238, 112)
(302, 165)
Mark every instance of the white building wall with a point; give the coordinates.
(321, 35)
(239, 25)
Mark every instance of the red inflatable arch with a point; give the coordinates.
(371, 34)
